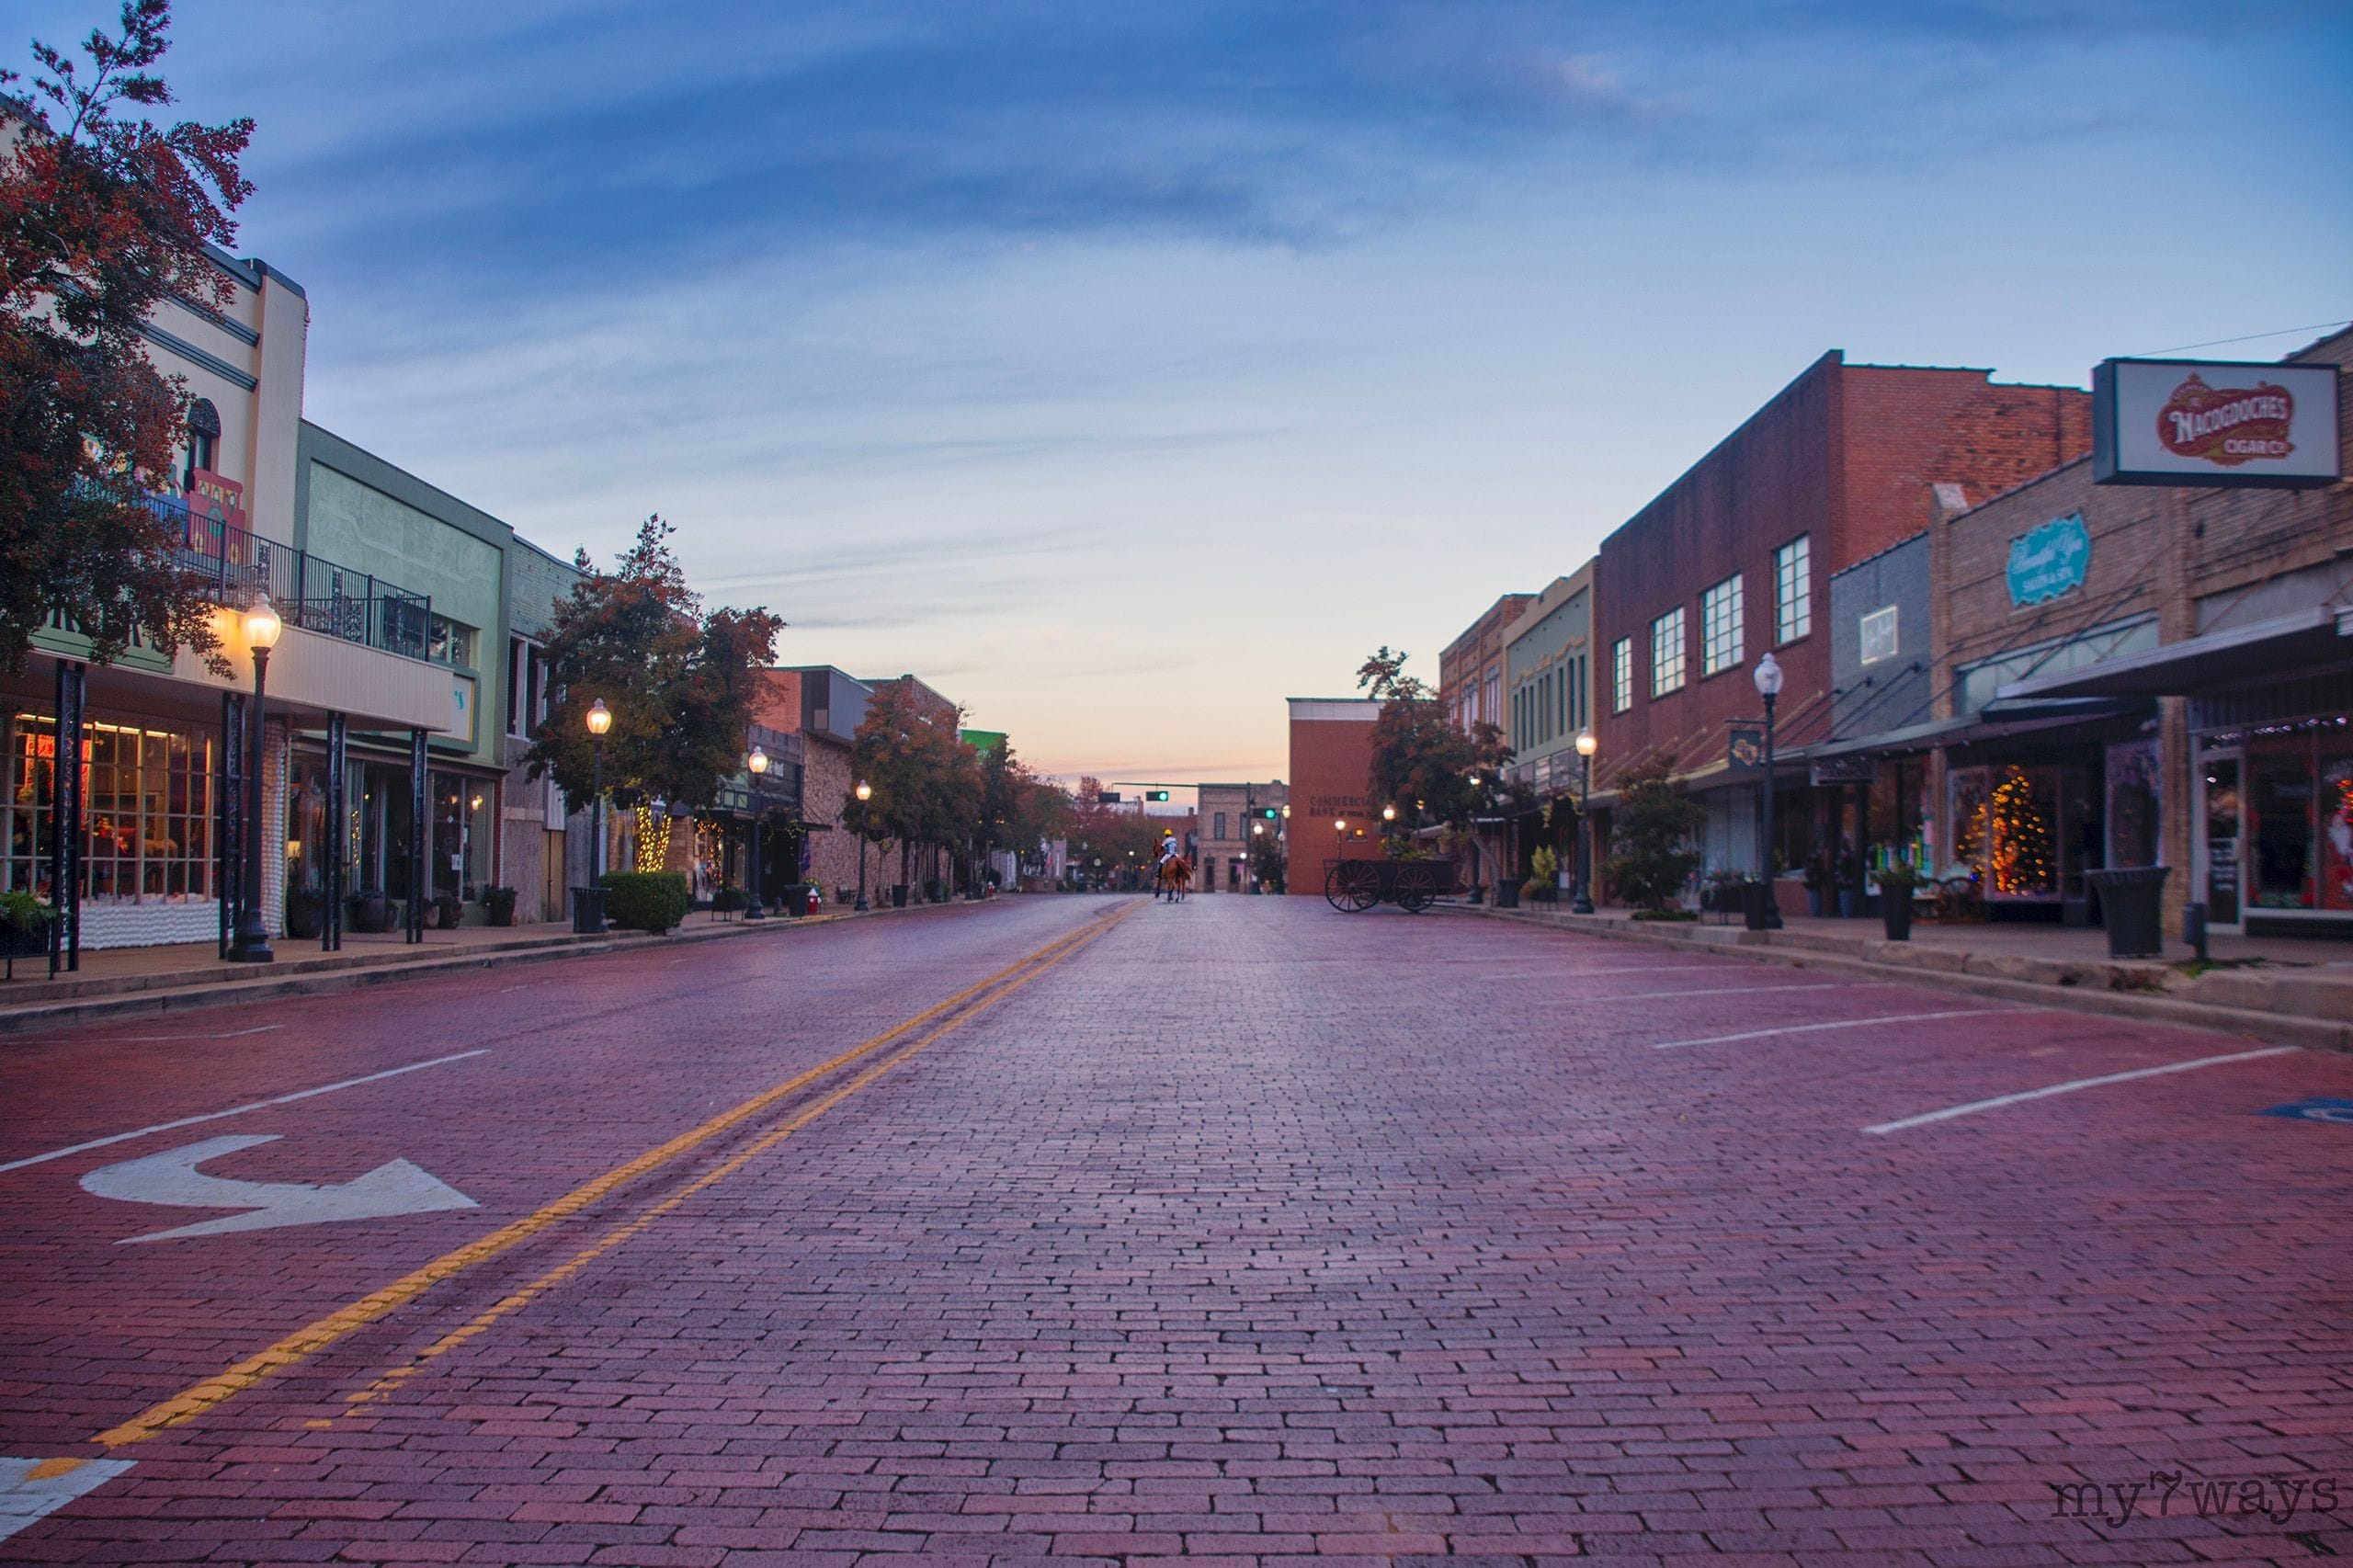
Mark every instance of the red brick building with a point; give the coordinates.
(1470, 671)
(1734, 558)
(1331, 756)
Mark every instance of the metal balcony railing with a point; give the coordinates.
(317, 596)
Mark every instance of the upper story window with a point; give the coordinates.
(1793, 589)
(1667, 652)
(203, 439)
(1719, 628)
(450, 643)
(1622, 674)
(1878, 636)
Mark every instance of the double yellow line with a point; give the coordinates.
(928, 1025)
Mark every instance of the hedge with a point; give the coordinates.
(645, 901)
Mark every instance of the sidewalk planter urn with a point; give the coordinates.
(1896, 912)
(24, 929)
(498, 906)
(372, 911)
(588, 911)
(1756, 905)
(306, 913)
(1506, 896)
(898, 895)
(2132, 900)
(448, 912)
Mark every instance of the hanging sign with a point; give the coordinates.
(2211, 423)
(1743, 746)
(2049, 561)
(1835, 771)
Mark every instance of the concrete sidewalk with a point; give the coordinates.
(121, 981)
(2282, 989)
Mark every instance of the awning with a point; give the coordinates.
(2298, 643)
(1997, 721)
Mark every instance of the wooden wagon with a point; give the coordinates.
(1356, 886)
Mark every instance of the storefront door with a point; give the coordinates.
(2223, 827)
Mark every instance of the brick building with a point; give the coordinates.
(1331, 757)
(1228, 816)
(823, 706)
(1471, 670)
(1733, 559)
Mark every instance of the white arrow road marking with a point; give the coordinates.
(32, 1488)
(396, 1187)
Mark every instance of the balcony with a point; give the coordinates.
(317, 596)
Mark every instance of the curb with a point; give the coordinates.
(347, 974)
(2278, 1028)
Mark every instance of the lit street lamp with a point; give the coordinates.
(600, 719)
(864, 792)
(753, 908)
(251, 943)
(1586, 745)
(1768, 687)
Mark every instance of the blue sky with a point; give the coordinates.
(1126, 369)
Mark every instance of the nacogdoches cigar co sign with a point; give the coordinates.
(2205, 423)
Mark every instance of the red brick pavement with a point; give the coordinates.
(1367, 1238)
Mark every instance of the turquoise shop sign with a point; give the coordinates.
(2049, 561)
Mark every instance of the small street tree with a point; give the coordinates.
(926, 778)
(1423, 763)
(1652, 854)
(103, 215)
(680, 684)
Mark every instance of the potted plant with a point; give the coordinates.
(1817, 886)
(1724, 895)
(1896, 880)
(498, 906)
(371, 911)
(728, 899)
(1543, 881)
(23, 927)
(306, 913)
(449, 911)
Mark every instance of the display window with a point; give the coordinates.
(148, 803)
(2020, 828)
(2299, 817)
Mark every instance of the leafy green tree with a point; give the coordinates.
(680, 684)
(1421, 762)
(926, 778)
(1651, 833)
(105, 215)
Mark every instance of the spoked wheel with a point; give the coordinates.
(1417, 888)
(1353, 886)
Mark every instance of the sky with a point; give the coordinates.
(1123, 369)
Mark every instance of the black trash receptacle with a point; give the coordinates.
(588, 911)
(1507, 895)
(2132, 899)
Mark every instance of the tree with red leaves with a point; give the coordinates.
(105, 213)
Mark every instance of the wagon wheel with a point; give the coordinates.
(1417, 888)
(1353, 886)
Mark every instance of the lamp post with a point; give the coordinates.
(600, 719)
(864, 792)
(753, 908)
(1768, 687)
(1586, 745)
(251, 943)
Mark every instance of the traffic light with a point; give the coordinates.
(1106, 797)
(1267, 811)
(1155, 794)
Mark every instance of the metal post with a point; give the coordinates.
(1583, 903)
(420, 805)
(597, 818)
(753, 908)
(338, 846)
(229, 816)
(862, 868)
(66, 820)
(251, 943)
(1772, 904)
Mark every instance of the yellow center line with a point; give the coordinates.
(309, 1340)
(482, 1322)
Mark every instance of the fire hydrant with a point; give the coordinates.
(815, 906)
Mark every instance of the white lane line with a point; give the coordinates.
(1844, 1024)
(30, 1489)
(2068, 1088)
(240, 1109)
(1742, 991)
(157, 1039)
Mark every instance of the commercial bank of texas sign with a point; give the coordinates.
(2203, 422)
(2049, 561)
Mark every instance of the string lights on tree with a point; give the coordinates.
(2021, 849)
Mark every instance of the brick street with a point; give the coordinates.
(1239, 1230)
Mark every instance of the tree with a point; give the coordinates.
(1650, 837)
(925, 777)
(680, 685)
(104, 214)
(1266, 861)
(1421, 762)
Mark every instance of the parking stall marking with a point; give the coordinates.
(1846, 1024)
(1997, 1101)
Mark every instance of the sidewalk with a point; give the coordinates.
(118, 980)
(2273, 988)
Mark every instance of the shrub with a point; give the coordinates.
(645, 901)
(1651, 835)
(20, 910)
(727, 900)
(498, 903)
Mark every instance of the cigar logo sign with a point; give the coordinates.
(2226, 424)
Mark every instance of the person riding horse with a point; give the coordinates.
(1173, 874)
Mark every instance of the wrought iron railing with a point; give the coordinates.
(317, 596)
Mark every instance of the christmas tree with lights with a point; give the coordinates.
(2021, 857)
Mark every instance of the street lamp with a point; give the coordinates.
(1586, 745)
(600, 719)
(251, 943)
(753, 908)
(1768, 687)
(864, 792)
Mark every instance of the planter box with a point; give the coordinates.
(16, 944)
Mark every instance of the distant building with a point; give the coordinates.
(1331, 758)
(1232, 817)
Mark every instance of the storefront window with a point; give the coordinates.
(2280, 805)
(306, 824)
(462, 841)
(2022, 839)
(2132, 804)
(149, 806)
(2223, 840)
(1967, 787)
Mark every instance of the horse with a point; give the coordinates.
(1175, 877)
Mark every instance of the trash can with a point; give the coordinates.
(588, 911)
(1507, 895)
(2132, 899)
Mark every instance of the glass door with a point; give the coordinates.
(2221, 818)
